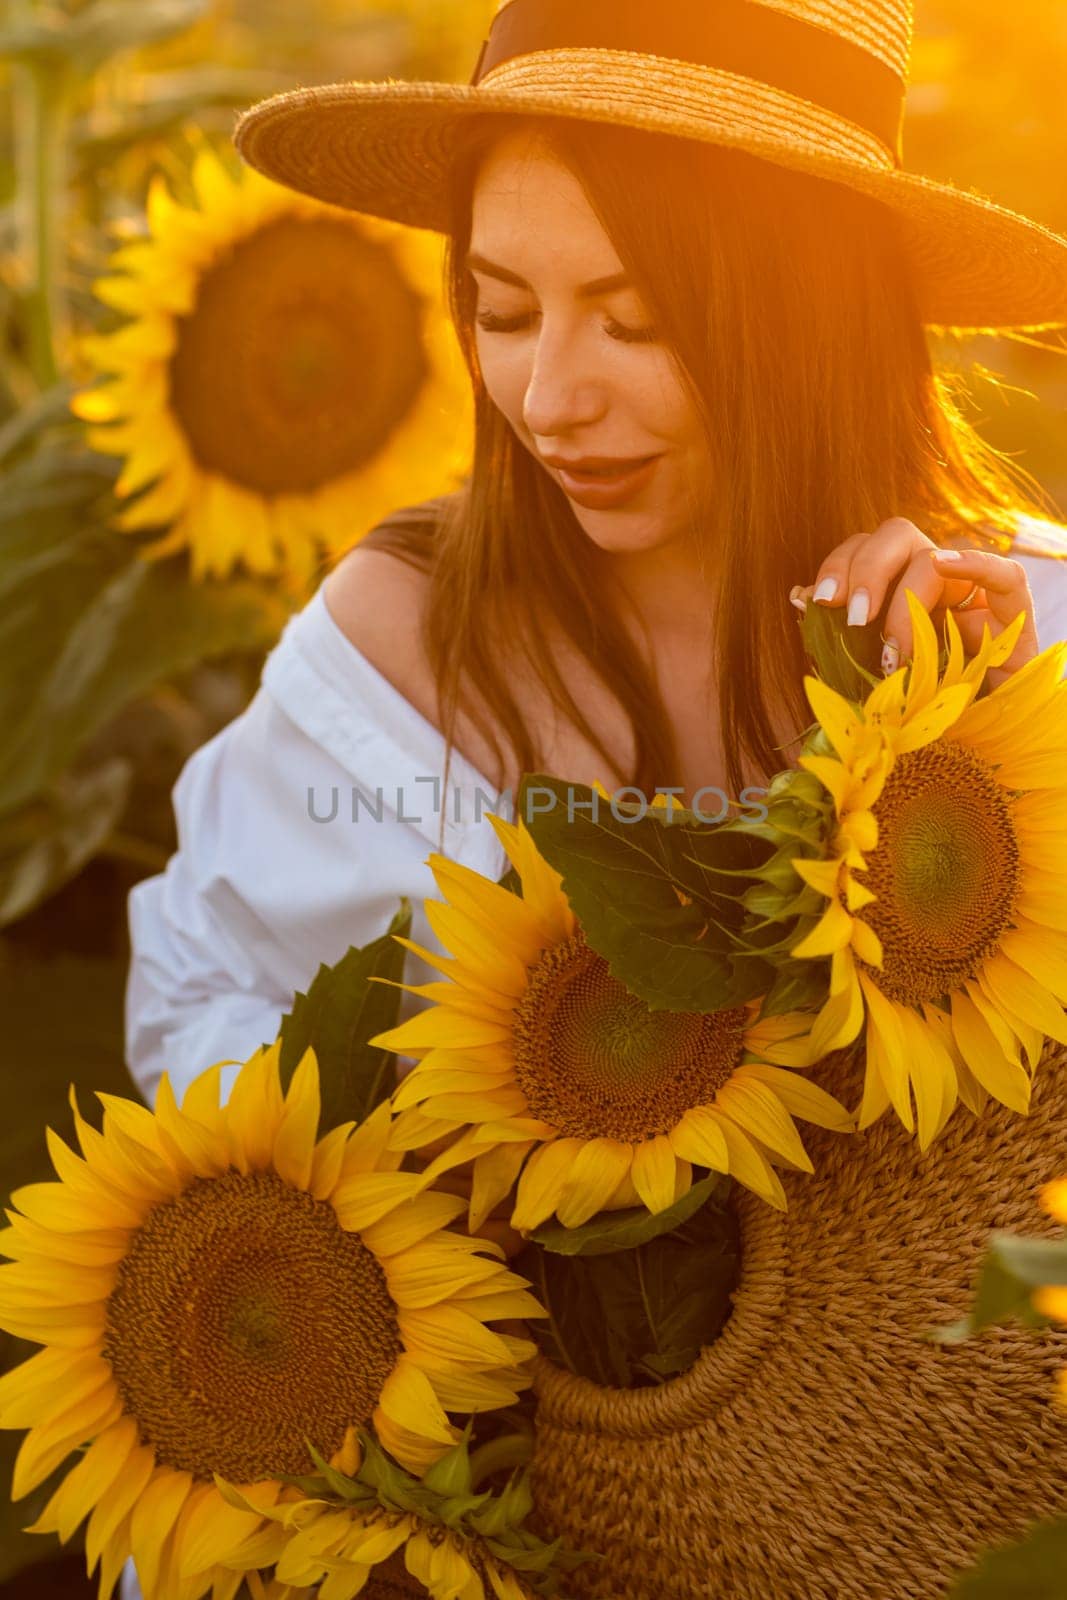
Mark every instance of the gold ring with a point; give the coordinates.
(968, 600)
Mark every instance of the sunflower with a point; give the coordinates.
(215, 1287)
(287, 378)
(381, 1533)
(944, 877)
(566, 1082)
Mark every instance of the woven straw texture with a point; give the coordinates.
(820, 1449)
(881, 26)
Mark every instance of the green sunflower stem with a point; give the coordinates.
(504, 1454)
(41, 97)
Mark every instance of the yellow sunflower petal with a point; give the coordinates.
(654, 1171)
(833, 931)
(542, 886)
(1053, 1198)
(440, 1025)
(411, 1222)
(841, 1017)
(493, 1177)
(408, 1399)
(369, 1196)
(596, 1172)
(1051, 1302)
(542, 1183)
(755, 1107)
(1018, 993)
(834, 714)
(933, 1080)
(154, 1517)
(699, 1138)
(801, 1097)
(117, 1500)
(999, 1071)
(749, 1166)
(892, 1052)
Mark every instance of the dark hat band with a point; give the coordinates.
(739, 36)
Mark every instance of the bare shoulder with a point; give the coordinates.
(378, 601)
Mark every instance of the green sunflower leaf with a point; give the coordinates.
(797, 986)
(340, 1012)
(451, 1474)
(337, 1481)
(1011, 1269)
(1032, 1569)
(847, 658)
(637, 1317)
(623, 1230)
(658, 899)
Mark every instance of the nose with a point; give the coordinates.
(564, 391)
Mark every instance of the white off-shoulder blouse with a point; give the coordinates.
(300, 825)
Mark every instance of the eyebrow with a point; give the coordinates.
(492, 269)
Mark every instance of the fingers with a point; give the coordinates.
(857, 574)
(861, 572)
(928, 586)
(1005, 591)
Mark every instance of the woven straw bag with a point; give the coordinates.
(820, 1449)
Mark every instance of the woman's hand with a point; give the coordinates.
(862, 570)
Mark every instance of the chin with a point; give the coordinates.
(624, 532)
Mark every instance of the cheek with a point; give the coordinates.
(505, 374)
(664, 398)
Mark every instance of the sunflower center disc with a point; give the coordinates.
(946, 872)
(596, 1062)
(303, 353)
(244, 1322)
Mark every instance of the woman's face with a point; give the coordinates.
(574, 363)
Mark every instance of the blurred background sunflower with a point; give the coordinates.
(116, 668)
(288, 375)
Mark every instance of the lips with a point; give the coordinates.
(600, 468)
(602, 490)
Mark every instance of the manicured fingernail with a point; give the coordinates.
(859, 609)
(796, 598)
(890, 657)
(826, 590)
(947, 555)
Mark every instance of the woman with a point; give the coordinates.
(768, 349)
(691, 284)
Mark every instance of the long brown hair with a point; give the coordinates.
(789, 306)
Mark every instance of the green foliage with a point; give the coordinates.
(1033, 1569)
(625, 1230)
(637, 1316)
(82, 41)
(658, 899)
(1011, 1269)
(87, 626)
(847, 658)
(48, 840)
(442, 1497)
(342, 1009)
(62, 1025)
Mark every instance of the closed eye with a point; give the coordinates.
(490, 322)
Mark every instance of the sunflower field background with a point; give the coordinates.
(159, 523)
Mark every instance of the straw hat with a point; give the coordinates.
(814, 85)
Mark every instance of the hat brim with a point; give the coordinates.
(385, 149)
